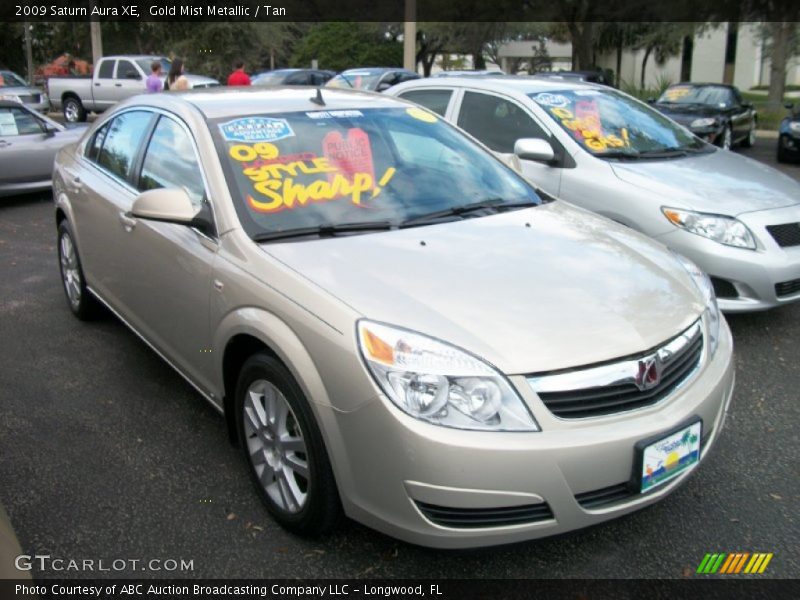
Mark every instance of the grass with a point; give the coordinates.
(769, 116)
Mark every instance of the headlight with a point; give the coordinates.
(794, 126)
(439, 383)
(700, 123)
(725, 230)
(703, 283)
(10, 98)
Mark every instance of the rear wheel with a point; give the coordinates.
(81, 302)
(284, 449)
(782, 156)
(750, 140)
(73, 110)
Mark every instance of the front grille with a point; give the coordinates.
(471, 518)
(787, 288)
(605, 496)
(787, 234)
(622, 393)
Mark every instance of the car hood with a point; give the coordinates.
(20, 91)
(721, 182)
(533, 290)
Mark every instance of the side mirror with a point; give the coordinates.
(49, 130)
(747, 104)
(651, 100)
(172, 205)
(534, 149)
(383, 86)
(789, 105)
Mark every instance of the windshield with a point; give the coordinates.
(270, 78)
(308, 169)
(10, 79)
(359, 80)
(607, 123)
(147, 63)
(691, 94)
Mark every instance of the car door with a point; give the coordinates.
(104, 91)
(499, 121)
(168, 266)
(101, 193)
(26, 149)
(128, 81)
(434, 99)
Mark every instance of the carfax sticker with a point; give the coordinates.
(422, 115)
(256, 129)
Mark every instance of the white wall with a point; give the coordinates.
(708, 56)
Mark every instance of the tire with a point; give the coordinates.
(293, 477)
(73, 110)
(750, 140)
(726, 140)
(79, 299)
(781, 156)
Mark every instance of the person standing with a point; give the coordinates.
(238, 77)
(176, 80)
(153, 82)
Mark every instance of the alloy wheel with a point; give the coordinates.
(276, 446)
(70, 273)
(726, 138)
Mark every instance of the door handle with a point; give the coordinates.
(76, 183)
(97, 84)
(118, 84)
(4, 144)
(127, 221)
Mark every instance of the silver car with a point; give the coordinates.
(16, 89)
(29, 142)
(736, 218)
(394, 323)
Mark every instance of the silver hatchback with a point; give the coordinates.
(394, 323)
(603, 150)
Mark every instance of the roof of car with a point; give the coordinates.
(222, 102)
(517, 83)
(702, 84)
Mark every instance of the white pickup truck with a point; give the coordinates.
(114, 79)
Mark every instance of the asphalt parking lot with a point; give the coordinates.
(106, 453)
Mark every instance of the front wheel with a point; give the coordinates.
(284, 449)
(82, 304)
(74, 111)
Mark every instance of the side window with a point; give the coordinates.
(297, 79)
(170, 162)
(496, 122)
(125, 135)
(18, 121)
(126, 70)
(96, 143)
(106, 70)
(435, 100)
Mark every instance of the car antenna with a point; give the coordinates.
(318, 98)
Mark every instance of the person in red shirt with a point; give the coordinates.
(238, 77)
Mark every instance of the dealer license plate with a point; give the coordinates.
(670, 456)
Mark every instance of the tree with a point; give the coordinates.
(661, 40)
(781, 29)
(338, 46)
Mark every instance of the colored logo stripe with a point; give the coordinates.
(725, 563)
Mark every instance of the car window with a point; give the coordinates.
(297, 79)
(96, 143)
(106, 70)
(435, 100)
(126, 70)
(496, 122)
(698, 94)
(10, 79)
(170, 162)
(18, 121)
(125, 135)
(319, 78)
(315, 168)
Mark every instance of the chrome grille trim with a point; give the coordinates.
(614, 387)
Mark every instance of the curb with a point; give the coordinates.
(767, 133)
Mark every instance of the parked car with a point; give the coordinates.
(28, 145)
(715, 112)
(606, 151)
(376, 79)
(393, 322)
(789, 136)
(292, 77)
(15, 88)
(115, 78)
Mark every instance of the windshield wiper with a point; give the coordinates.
(327, 230)
(465, 209)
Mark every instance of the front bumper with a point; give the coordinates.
(789, 145)
(396, 465)
(754, 274)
